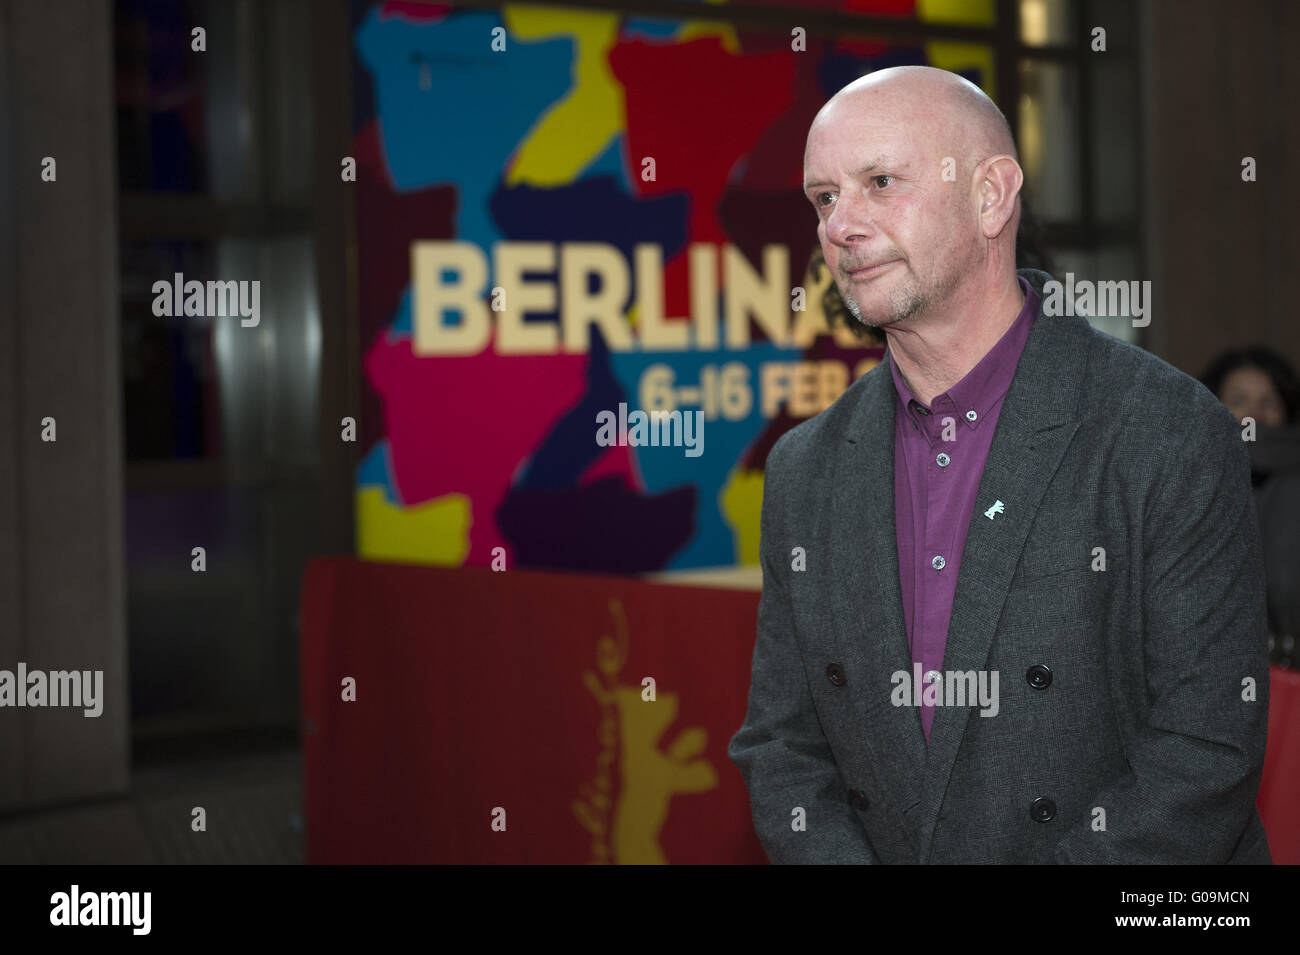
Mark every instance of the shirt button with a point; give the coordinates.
(971, 415)
(938, 563)
(1039, 676)
(933, 676)
(1042, 809)
(942, 460)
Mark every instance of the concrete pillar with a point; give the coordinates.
(61, 545)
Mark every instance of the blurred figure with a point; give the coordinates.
(1256, 382)
(1259, 383)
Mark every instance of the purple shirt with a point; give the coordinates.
(939, 455)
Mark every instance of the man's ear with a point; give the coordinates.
(1000, 179)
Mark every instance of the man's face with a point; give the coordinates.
(897, 237)
(1249, 392)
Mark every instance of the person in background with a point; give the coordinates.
(1260, 384)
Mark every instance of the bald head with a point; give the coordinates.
(945, 110)
(914, 176)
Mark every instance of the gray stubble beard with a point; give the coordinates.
(908, 302)
(904, 307)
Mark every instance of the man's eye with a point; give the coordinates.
(882, 181)
(822, 198)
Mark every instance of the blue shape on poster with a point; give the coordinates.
(453, 110)
(568, 450)
(373, 471)
(593, 209)
(643, 28)
(609, 163)
(652, 29)
(838, 70)
(713, 543)
(401, 324)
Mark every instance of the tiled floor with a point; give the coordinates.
(254, 815)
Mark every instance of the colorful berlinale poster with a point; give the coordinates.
(570, 221)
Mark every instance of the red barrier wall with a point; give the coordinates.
(522, 692)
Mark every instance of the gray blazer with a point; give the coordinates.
(1145, 741)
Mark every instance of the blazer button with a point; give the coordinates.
(1042, 809)
(1039, 676)
(835, 673)
(858, 799)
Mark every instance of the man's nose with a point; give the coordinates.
(849, 221)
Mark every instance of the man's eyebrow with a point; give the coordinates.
(878, 162)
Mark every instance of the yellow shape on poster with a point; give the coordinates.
(578, 128)
(435, 532)
(971, 13)
(955, 56)
(742, 506)
(695, 29)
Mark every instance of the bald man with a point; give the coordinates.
(1013, 604)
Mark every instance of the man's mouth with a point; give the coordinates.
(871, 270)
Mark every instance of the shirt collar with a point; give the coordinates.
(971, 399)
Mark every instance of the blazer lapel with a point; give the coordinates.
(867, 599)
